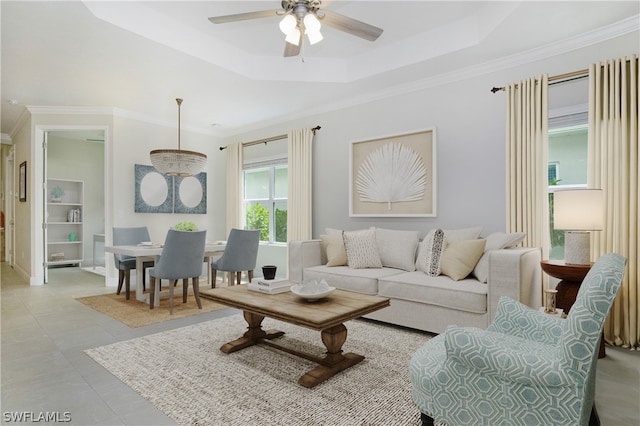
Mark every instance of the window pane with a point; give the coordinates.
(257, 217)
(256, 183)
(281, 183)
(281, 222)
(567, 166)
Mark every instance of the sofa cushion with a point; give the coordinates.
(333, 246)
(460, 257)
(495, 241)
(465, 295)
(430, 252)
(397, 249)
(362, 249)
(345, 278)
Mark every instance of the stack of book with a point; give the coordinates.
(275, 286)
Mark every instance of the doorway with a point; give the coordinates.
(73, 198)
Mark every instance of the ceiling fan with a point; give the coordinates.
(305, 17)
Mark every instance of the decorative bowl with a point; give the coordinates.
(311, 297)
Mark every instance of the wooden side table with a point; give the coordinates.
(570, 277)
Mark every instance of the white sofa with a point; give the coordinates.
(421, 301)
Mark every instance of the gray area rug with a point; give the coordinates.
(184, 374)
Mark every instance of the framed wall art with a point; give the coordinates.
(158, 193)
(22, 182)
(394, 176)
(190, 194)
(154, 191)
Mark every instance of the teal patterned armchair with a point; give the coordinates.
(527, 368)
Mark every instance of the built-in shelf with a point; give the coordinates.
(64, 227)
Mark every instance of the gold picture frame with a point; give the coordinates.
(394, 176)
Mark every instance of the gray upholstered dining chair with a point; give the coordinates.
(240, 254)
(124, 264)
(181, 258)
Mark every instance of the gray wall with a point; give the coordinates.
(470, 128)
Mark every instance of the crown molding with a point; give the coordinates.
(620, 28)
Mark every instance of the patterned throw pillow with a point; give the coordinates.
(430, 253)
(362, 250)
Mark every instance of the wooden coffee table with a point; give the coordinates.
(326, 315)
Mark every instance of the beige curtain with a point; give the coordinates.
(613, 166)
(235, 190)
(527, 158)
(299, 224)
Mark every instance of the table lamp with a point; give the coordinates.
(578, 211)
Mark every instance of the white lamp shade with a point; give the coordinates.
(311, 23)
(288, 23)
(293, 37)
(578, 210)
(314, 37)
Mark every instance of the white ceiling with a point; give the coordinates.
(139, 56)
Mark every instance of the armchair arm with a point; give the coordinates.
(515, 319)
(512, 359)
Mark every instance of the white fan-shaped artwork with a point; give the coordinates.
(391, 173)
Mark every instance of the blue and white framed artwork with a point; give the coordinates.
(190, 194)
(158, 193)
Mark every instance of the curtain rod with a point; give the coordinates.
(561, 78)
(269, 139)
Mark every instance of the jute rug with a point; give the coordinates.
(184, 374)
(134, 313)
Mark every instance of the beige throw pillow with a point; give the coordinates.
(495, 241)
(333, 246)
(460, 257)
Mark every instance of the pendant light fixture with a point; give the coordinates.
(178, 162)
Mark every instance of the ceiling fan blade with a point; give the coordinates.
(291, 49)
(246, 16)
(349, 25)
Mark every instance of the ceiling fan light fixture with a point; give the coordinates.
(293, 37)
(314, 36)
(288, 24)
(178, 162)
(311, 23)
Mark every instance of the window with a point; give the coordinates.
(567, 147)
(265, 199)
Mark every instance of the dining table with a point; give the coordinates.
(145, 252)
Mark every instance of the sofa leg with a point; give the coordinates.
(426, 420)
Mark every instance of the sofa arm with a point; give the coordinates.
(303, 254)
(514, 273)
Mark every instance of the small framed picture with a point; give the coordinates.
(22, 182)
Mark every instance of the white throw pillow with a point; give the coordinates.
(397, 249)
(333, 246)
(495, 241)
(362, 249)
(430, 251)
(460, 257)
(462, 234)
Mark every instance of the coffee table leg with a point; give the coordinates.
(334, 360)
(252, 336)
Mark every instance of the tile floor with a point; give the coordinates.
(44, 368)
